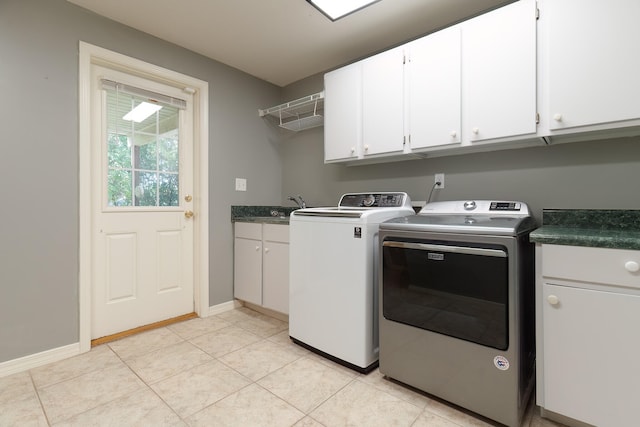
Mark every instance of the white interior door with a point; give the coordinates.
(142, 203)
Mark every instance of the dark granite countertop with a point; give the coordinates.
(601, 228)
(262, 214)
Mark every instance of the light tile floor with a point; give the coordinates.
(238, 368)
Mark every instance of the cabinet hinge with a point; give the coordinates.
(537, 12)
(537, 118)
(404, 59)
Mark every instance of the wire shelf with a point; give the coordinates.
(297, 115)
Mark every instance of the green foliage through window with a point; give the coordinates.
(142, 158)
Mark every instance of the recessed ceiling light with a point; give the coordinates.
(141, 112)
(336, 9)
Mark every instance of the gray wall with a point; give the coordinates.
(589, 175)
(39, 173)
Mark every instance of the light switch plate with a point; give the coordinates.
(241, 184)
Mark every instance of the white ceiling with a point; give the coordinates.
(283, 41)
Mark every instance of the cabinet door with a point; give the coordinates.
(499, 73)
(433, 89)
(247, 270)
(275, 285)
(591, 55)
(343, 113)
(591, 346)
(383, 102)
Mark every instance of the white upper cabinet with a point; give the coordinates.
(383, 102)
(343, 113)
(590, 61)
(470, 83)
(433, 90)
(499, 73)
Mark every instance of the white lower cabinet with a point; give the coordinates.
(261, 265)
(588, 341)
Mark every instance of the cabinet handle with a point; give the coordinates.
(257, 248)
(475, 131)
(366, 148)
(266, 250)
(553, 300)
(353, 150)
(632, 266)
(557, 117)
(453, 133)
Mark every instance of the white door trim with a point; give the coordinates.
(90, 54)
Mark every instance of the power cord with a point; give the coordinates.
(436, 184)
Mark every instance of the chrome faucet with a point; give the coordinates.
(299, 201)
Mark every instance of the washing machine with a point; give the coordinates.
(333, 295)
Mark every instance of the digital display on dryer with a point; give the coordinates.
(505, 206)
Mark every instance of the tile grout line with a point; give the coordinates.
(35, 389)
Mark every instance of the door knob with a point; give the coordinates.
(188, 198)
(188, 214)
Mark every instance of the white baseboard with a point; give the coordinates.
(271, 313)
(38, 359)
(225, 306)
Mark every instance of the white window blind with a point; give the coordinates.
(157, 98)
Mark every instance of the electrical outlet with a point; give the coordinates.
(439, 178)
(241, 184)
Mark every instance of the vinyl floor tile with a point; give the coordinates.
(145, 342)
(361, 404)
(259, 359)
(198, 326)
(253, 406)
(193, 390)
(320, 383)
(225, 340)
(98, 358)
(142, 409)
(15, 385)
(168, 361)
(237, 368)
(22, 410)
(69, 398)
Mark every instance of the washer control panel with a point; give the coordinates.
(374, 200)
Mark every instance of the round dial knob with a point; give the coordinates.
(470, 205)
(369, 200)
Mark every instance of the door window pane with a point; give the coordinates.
(142, 157)
(145, 192)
